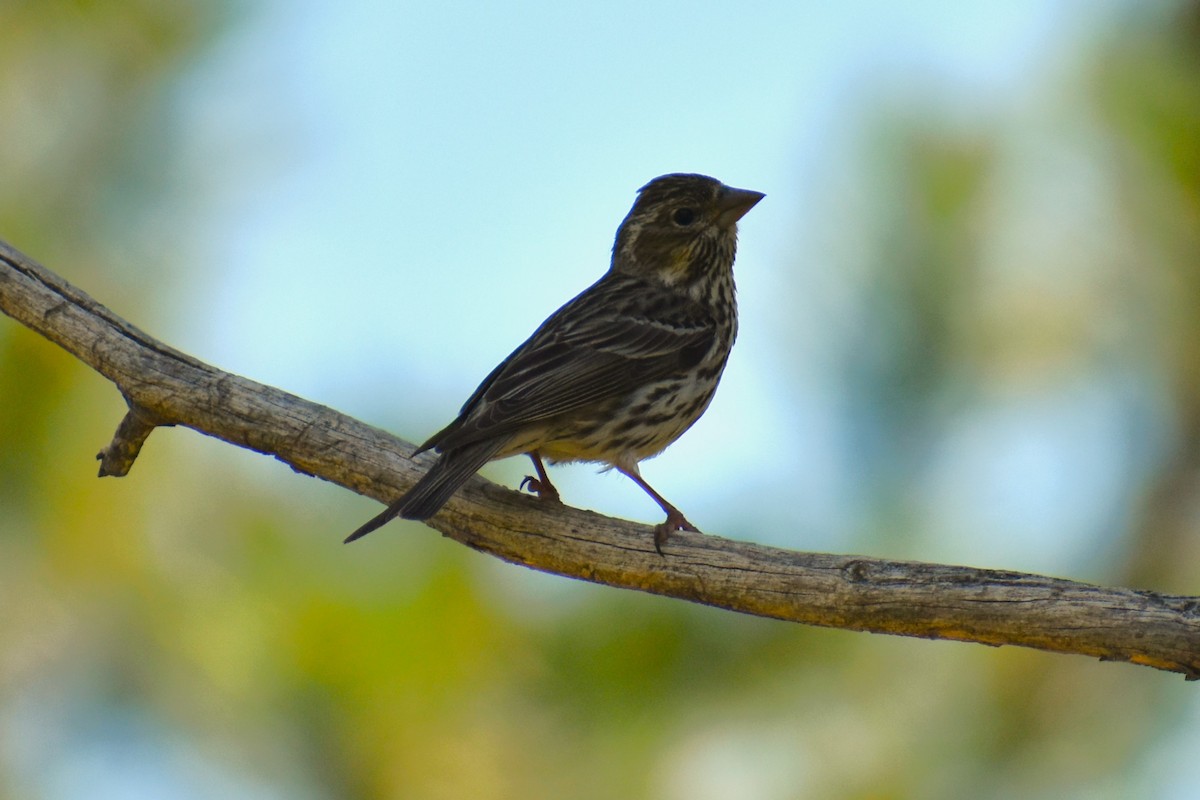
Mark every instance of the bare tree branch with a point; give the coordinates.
(166, 387)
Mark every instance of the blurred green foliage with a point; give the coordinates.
(192, 627)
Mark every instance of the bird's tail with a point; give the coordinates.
(430, 493)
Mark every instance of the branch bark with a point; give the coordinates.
(165, 387)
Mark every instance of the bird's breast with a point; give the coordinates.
(647, 421)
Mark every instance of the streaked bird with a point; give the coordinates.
(619, 372)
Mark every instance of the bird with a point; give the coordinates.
(617, 373)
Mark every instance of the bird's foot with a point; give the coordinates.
(675, 521)
(543, 489)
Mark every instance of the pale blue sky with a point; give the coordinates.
(430, 181)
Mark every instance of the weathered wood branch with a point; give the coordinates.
(165, 387)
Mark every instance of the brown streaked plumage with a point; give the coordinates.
(619, 372)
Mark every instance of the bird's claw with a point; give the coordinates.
(544, 491)
(675, 521)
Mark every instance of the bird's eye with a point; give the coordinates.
(684, 217)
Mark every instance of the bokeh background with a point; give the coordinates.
(970, 334)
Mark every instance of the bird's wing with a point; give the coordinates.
(614, 337)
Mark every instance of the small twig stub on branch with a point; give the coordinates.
(117, 458)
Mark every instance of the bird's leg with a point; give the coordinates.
(675, 521)
(541, 485)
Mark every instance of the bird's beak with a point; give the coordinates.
(734, 203)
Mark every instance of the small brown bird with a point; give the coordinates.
(618, 373)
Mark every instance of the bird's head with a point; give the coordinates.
(681, 229)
